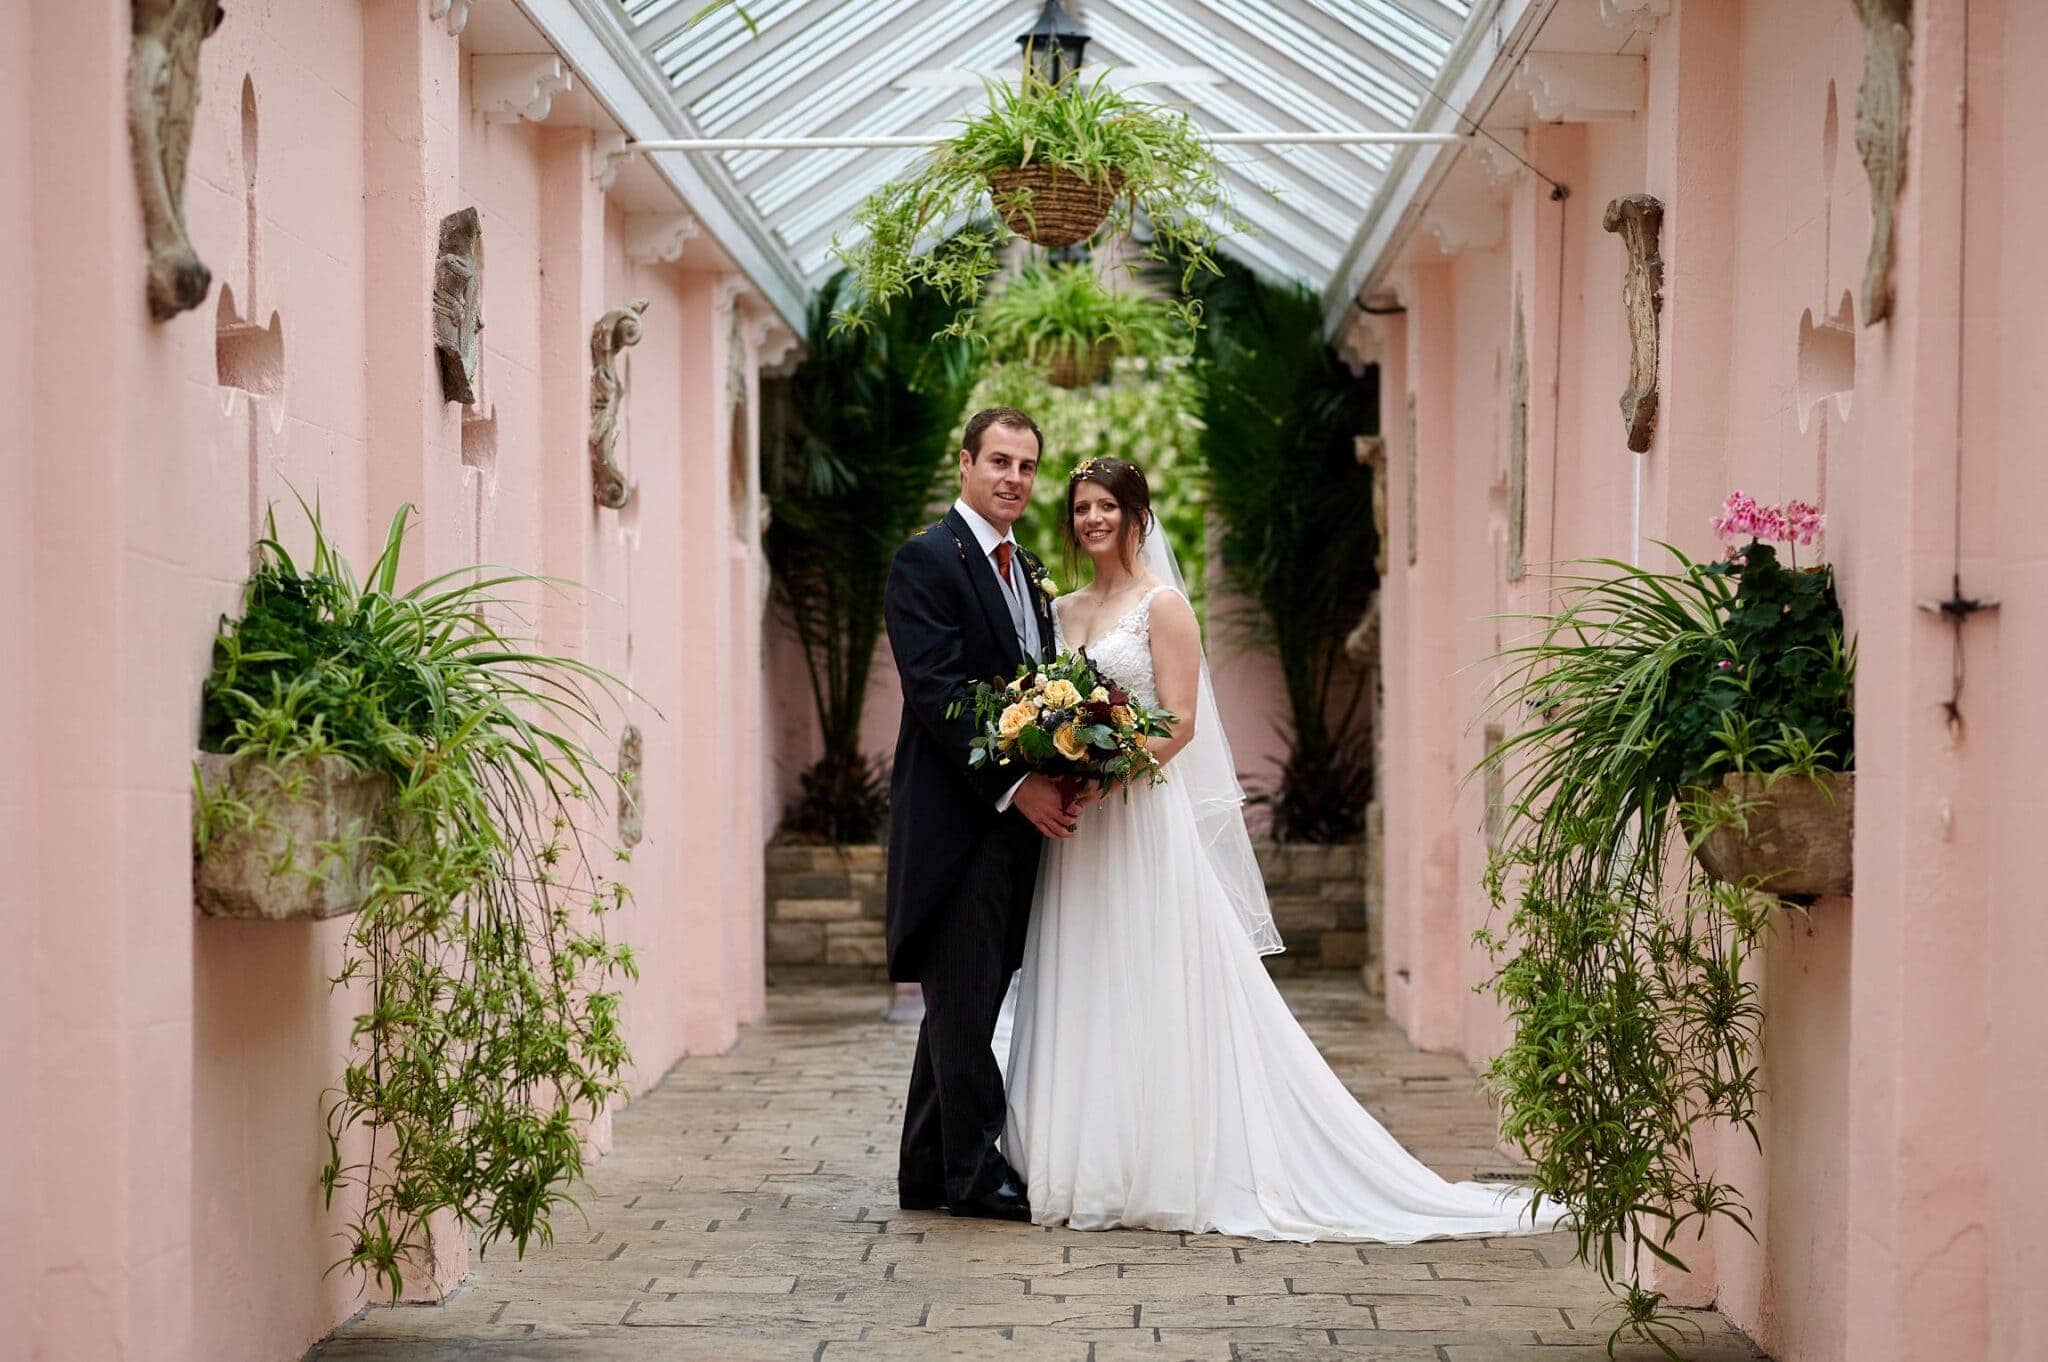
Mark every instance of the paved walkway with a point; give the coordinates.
(748, 1212)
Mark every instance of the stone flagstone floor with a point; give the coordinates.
(748, 1212)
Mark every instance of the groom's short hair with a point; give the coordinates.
(978, 424)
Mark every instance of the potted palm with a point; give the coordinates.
(1059, 162)
(1062, 321)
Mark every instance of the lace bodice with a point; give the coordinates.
(1124, 651)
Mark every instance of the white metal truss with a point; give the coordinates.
(834, 69)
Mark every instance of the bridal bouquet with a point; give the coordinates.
(1062, 720)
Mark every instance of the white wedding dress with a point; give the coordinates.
(1157, 1079)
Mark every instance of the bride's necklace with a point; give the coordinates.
(1114, 613)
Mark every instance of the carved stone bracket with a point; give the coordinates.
(775, 345)
(453, 13)
(632, 763)
(458, 316)
(614, 331)
(1638, 219)
(657, 238)
(508, 86)
(608, 153)
(1584, 87)
(1881, 126)
(163, 97)
(1634, 16)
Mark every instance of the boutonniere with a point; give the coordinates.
(1042, 579)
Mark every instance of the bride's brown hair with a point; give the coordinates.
(1126, 482)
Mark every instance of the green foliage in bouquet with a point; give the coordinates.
(488, 1032)
(1621, 964)
(1151, 156)
(1061, 719)
(873, 416)
(1061, 318)
(1279, 415)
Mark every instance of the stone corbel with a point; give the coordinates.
(614, 331)
(1501, 154)
(1584, 87)
(508, 86)
(728, 293)
(632, 768)
(1359, 346)
(1371, 450)
(1638, 218)
(658, 238)
(453, 13)
(163, 96)
(1465, 223)
(1881, 126)
(1634, 16)
(607, 155)
(775, 346)
(458, 316)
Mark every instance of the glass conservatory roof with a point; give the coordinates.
(908, 67)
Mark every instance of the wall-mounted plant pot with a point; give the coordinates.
(1071, 368)
(306, 851)
(1050, 206)
(1794, 838)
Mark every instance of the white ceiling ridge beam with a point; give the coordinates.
(1274, 137)
(589, 37)
(1493, 44)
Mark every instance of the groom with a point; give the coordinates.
(964, 603)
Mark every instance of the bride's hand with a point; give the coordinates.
(1090, 796)
(1043, 806)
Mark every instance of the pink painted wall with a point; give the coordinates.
(160, 1197)
(1894, 1193)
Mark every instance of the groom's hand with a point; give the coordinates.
(1044, 807)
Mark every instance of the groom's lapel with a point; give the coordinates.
(981, 576)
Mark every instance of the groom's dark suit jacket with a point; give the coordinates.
(948, 627)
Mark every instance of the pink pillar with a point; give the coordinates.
(1921, 1088)
(1427, 1004)
(707, 892)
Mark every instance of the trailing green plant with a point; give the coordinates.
(1061, 316)
(1151, 156)
(1145, 415)
(1279, 414)
(1621, 965)
(874, 416)
(488, 1033)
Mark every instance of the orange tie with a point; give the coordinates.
(1003, 552)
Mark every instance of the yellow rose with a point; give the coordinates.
(1121, 717)
(1068, 742)
(1099, 695)
(1015, 719)
(1061, 695)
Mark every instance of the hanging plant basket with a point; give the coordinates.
(1794, 836)
(300, 842)
(1049, 206)
(1076, 367)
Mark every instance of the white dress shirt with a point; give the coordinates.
(1015, 594)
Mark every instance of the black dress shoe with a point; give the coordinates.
(1006, 1202)
(917, 1199)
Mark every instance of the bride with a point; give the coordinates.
(1157, 1079)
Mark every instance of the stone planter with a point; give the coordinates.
(305, 855)
(1797, 839)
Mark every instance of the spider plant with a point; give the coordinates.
(1150, 155)
(487, 1032)
(1061, 318)
(875, 415)
(1622, 966)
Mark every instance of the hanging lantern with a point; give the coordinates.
(1053, 46)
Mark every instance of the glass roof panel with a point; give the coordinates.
(889, 67)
